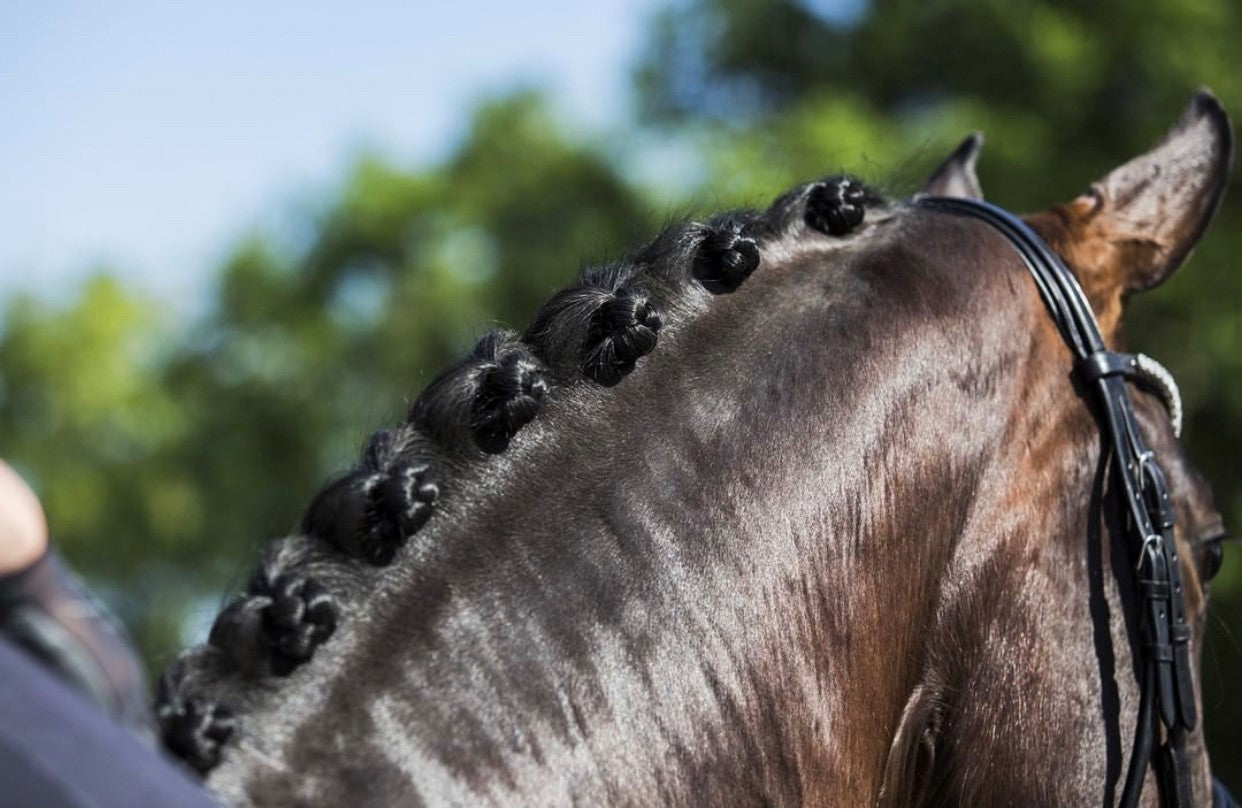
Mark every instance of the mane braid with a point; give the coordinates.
(595, 332)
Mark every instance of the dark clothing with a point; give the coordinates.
(46, 610)
(57, 748)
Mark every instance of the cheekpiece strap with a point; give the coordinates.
(1164, 652)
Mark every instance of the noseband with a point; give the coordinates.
(1167, 689)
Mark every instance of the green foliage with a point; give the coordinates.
(167, 454)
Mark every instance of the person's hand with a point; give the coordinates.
(23, 529)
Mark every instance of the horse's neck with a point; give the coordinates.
(1025, 670)
(710, 585)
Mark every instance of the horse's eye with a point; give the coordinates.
(1211, 555)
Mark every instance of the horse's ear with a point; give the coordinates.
(1137, 225)
(956, 176)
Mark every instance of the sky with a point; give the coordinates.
(147, 137)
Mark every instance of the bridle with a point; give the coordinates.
(1167, 698)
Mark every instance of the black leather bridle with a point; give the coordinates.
(1166, 681)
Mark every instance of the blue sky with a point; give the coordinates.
(146, 136)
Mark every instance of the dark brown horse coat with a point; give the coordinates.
(794, 507)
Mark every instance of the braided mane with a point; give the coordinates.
(593, 333)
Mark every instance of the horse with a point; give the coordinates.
(796, 506)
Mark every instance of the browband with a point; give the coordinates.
(1167, 686)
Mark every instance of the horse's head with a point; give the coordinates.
(1128, 233)
(797, 506)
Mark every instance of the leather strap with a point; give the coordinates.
(1163, 660)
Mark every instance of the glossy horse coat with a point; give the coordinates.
(793, 507)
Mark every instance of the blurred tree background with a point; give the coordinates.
(166, 452)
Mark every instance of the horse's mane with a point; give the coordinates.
(592, 333)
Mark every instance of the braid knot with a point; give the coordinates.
(624, 328)
(836, 206)
(299, 616)
(195, 730)
(192, 728)
(509, 395)
(725, 257)
(370, 515)
(400, 503)
(277, 625)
